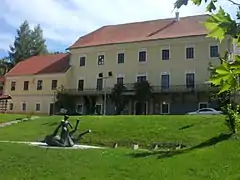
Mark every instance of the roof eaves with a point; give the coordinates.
(155, 39)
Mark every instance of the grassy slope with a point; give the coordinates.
(10, 117)
(125, 129)
(212, 161)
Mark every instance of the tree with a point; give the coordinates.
(6, 65)
(221, 26)
(118, 98)
(222, 99)
(38, 42)
(143, 92)
(27, 43)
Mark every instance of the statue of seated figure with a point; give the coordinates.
(66, 138)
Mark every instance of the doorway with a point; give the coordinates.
(139, 109)
(51, 109)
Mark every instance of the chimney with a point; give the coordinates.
(177, 16)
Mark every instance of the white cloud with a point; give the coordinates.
(5, 40)
(64, 21)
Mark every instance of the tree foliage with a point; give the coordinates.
(27, 43)
(226, 75)
(143, 92)
(118, 98)
(5, 65)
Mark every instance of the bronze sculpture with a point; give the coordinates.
(66, 138)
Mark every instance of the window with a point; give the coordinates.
(38, 107)
(203, 105)
(190, 80)
(141, 78)
(213, 51)
(11, 106)
(165, 81)
(99, 84)
(120, 58)
(165, 54)
(101, 59)
(82, 61)
(79, 108)
(13, 86)
(54, 84)
(190, 53)
(142, 56)
(80, 85)
(98, 109)
(165, 108)
(24, 107)
(119, 80)
(39, 84)
(25, 85)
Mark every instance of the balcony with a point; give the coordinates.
(177, 88)
(156, 89)
(88, 91)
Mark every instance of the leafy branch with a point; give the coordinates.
(226, 75)
(238, 4)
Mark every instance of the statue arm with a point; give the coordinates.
(70, 124)
(56, 130)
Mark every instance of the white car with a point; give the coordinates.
(205, 111)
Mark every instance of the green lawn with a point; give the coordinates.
(217, 158)
(125, 130)
(10, 117)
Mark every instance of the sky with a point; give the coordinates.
(63, 21)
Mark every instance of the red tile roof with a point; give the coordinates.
(143, 31)
(42, 64)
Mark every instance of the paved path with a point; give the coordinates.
(44, 145)
(4, 124)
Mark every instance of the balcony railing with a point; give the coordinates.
(155, 89)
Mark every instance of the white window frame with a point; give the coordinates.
(10, 106)
(209, 50)
(165, 48)
(99, 54)
(84, 55)
(118, 52)
(140, 50)
(81, 104)
(165, 73)
(22, 106)
(163, 103)
(103, 81)
(203, 103)
(52, 84)
(101, 110)
(36, 106)
(187, 72)
(120, 76)
(81, 78)
(37, 85)
(194, 51)
(142, 74)
(14, 86)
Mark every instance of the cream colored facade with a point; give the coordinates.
(153, 68)
(177, 66)
(36, 100)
